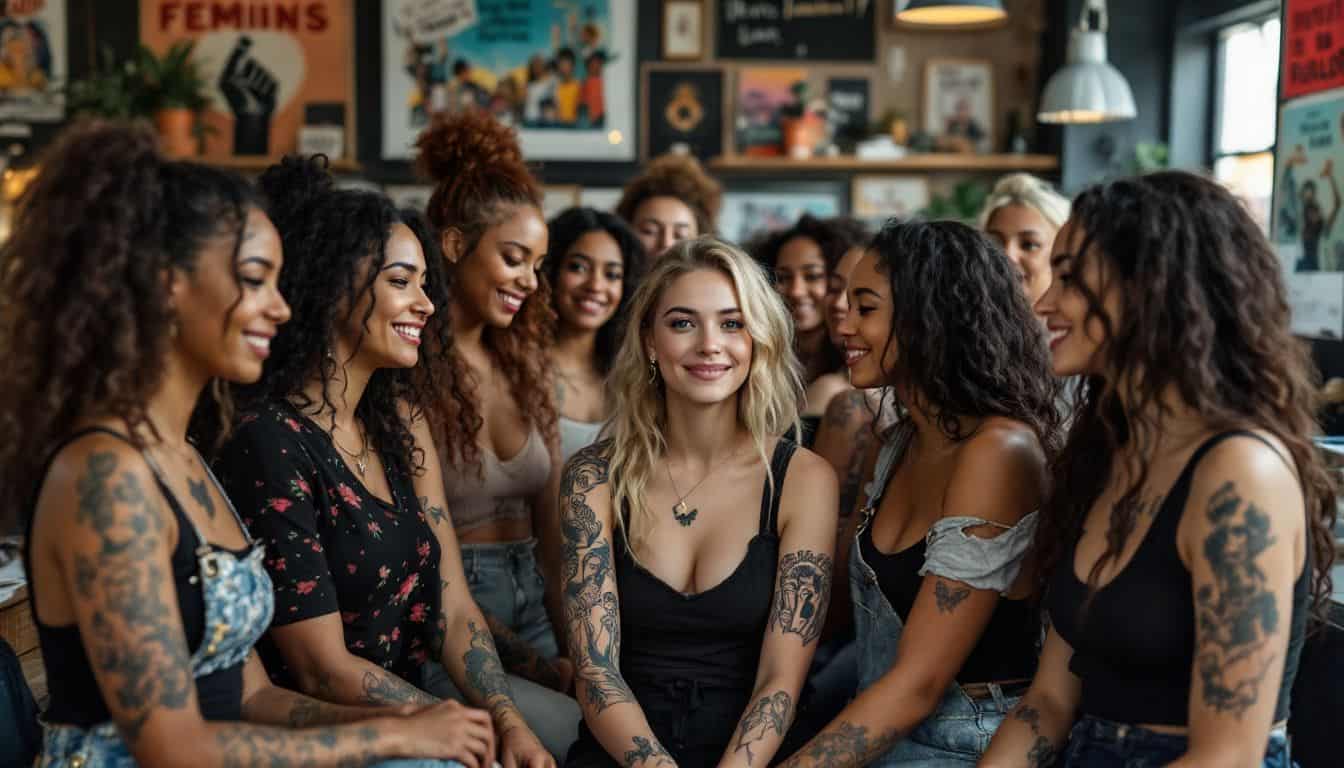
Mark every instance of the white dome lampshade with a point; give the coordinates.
(1087, 89)
(950, 13)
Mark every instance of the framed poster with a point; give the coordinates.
(682, 110)
(789, 29)
(848, 100)
(683, 30)
(747, 214)
(1313, 47)
(561, 71)
(762, 94)
(959, 101)
(264, 78)
(33, 56)
(878, 198)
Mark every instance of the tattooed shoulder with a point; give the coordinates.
(949, 596)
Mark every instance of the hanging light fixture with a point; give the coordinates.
(949, 13)
(1087, 89)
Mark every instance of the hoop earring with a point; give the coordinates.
(653, 370)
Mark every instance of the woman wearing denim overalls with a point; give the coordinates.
(946, 638)
(131, 282)
(1189, 525)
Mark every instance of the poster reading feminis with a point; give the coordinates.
(32, 60)
(267, 62)
(561, 71)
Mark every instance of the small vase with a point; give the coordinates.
(800, 135)
(175, 134)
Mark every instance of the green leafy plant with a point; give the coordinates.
(962, 204)
(799, 105)
(1150, 156)
(175, 80)
(141, 85)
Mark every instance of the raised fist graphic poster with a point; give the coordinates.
(32, 60)
(265, 62)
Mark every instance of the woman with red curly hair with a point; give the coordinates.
(495, 426)
(673, 200)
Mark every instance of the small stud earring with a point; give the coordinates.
(653, 370)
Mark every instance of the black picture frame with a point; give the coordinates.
(850, 101)
(683, 105)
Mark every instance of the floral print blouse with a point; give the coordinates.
(331, 545)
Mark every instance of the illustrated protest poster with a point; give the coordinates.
(1313, 47)
(32, 60)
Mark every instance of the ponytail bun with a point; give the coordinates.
(292, 185)
(466, 143)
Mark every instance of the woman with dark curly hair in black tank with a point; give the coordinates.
(333, 468)
(1190, 524)
(130, 282)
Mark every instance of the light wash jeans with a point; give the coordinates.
(505, 582)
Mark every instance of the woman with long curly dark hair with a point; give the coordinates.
(494, 415)
(596, 264)
(945, 630)
(672, 200)
(1189, 528)
(335, 471)
(130, 283)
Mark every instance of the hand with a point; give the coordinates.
(250, 89)
(519, 748)
(450, 731)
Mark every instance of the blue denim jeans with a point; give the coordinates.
(505, 582)
(1097, 743)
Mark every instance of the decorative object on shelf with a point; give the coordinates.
(34, 61)
(781, 30)
(762, 95)
(323, 130)
(878, 198)
(683, 30)
(748, 212)
(957, 14)
(959, 104)
(1016, 143)
(558, 197)
(962, 203)
(683, 111)
(894, 124)
(1313, 46)
(259, 81)
(562, 73)
(179, 94)
(114, 89)
(848, 103)
(1087, 89)
(801, 125)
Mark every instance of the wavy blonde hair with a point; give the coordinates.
(1028, 191)
(767, 403)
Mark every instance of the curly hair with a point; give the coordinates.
(566, 229)
(969, 344)
(1204, 313)
(480, 179)
(84, 314)
(335, 243)
(679, 176)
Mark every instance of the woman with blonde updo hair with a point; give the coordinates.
(1023, 214)
(721, 607)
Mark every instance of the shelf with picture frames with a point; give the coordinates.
(942, 161)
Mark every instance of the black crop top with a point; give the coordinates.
(1134, 650)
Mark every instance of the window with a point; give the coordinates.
(1244, 123)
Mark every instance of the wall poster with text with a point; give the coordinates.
(1313, 47)
(32, 60)
(267, 62)
(561, 71)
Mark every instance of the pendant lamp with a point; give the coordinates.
(950, 13)
(1087, 89)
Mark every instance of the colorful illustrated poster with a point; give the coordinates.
(561, 71)
(266, 61)
(1313, 47)
(1306, 226)
(32, 60)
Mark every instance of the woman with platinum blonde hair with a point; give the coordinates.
(1023, 214)
(720, 609)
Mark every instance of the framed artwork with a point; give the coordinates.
(1313, 43)
(563, 73)
(682, 111)
(959, 102)
(878, 198)
(683, 30)
(558, 197)
(775, 30)
(748, 213)
(848, 100)
(414, 196)
(263, 80)
(35, 61)
(762, 94)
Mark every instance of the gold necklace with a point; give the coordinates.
(680, 512)
(361, 458)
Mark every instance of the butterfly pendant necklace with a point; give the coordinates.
(681, 512)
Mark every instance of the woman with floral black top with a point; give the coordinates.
(332, 468)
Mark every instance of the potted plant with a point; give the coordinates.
(800, 127)
(178, 92)
(113, 90)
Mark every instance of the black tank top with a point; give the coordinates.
(75, 696)
(1135, 649)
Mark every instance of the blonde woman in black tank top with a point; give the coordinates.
(698, 545)
(1190, 521)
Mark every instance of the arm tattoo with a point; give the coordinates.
(853, 481)
(519, 657)
(949, 597)
(769, 713)
(843, 407)
(304, 713)
(1041, 753)
(1237, 612)
(435, 514)
(847, 745)
(201, 494)
(136, 639)
(438, 639)
(484, 671)
(647, 753)
(246, 746)
(592, 618)
(802, 593)
(384, 688)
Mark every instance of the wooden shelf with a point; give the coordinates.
(945, 162)
(262, 163)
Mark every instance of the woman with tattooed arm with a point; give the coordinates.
(690, 619)
(130, 282)
(1189, 530)
(946, 635)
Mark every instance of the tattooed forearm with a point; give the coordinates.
(647, 753)
(438, 639)
(1041, 753)
(484, 672)
(949, 597)
(244, 747)
(770, 714)
(1238, 612)
(592, 620)
(435, 514)
(385, 688)
(519, 657)
(843, 746)
(802, 594)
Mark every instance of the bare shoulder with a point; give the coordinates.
(824, 389)
(999, 473)
(810, 486)
(1243, 471)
